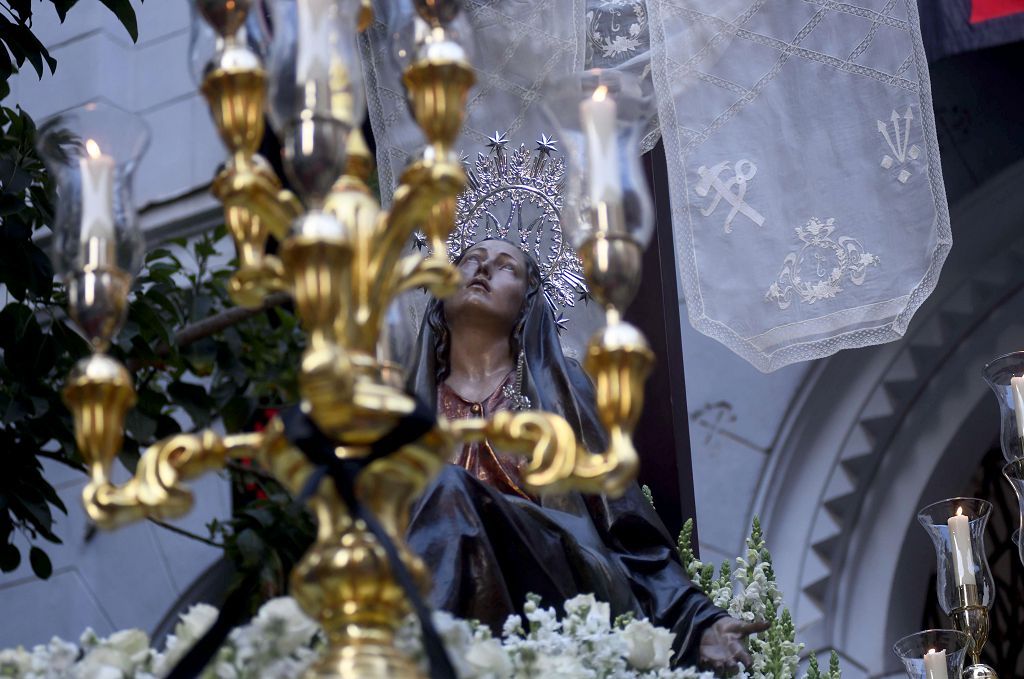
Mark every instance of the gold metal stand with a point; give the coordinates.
(343, 266)
(972, 618)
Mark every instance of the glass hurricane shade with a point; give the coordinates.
(224, 34)
(600, 117)
(1014, 473)
(957, 529)
(316, 92)
(97, 246)
(92, 152)
(414, 37)
(1001, 375)
(926, 654)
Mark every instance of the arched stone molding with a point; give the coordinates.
(874, 434)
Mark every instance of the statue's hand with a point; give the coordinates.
(721, 646)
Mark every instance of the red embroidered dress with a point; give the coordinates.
(498, 470)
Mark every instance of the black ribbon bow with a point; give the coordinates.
(319, 448)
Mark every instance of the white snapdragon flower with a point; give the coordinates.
(648, 647)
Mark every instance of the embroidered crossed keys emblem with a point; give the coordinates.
(733, 191)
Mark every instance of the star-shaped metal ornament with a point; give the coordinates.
(419, 240)
(561, 323)
(547, 145)
(497, 142)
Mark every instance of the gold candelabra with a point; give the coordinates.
(343, 262)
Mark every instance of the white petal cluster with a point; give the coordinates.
(581, 643)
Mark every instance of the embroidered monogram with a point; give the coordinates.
(898, 139)
(616, 30)
(710, 180)
(816, 270)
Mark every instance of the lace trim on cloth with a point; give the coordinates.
(762, 134)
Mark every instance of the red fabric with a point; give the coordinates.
(983, 10)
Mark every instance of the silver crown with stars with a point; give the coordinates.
(517, 195)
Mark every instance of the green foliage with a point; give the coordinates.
(18, 44)
(833, 667)
(35, 342)
(684, 545)
(813, 671)
(646, 490)
(724, 576)
(266, 536)
(230, 375)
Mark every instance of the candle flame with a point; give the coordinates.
(92, 148)
(601, 93)
(959, 511)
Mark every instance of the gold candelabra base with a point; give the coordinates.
(972, 618)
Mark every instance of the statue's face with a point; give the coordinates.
(493, 284)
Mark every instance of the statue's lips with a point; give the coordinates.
(479, 283)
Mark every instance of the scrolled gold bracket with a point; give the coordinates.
(156, 489)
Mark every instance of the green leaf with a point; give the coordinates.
(10, 558)
(41, 565)
(123, 10)
(142, 427)
(15, 320)
(250, 547)
(62, 7)
(194, 399)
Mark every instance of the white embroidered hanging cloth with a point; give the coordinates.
(807, 200)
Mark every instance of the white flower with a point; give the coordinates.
(562, 667)
(282, 618)
(649, 647)
(487, 658)
(195, 621)
(192, 624)
(55, 658)
(585, 615)
(15, 662)
(133, 643)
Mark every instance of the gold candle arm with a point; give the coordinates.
(255, 206)
(156, 489)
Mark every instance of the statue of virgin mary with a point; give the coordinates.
(489, 541)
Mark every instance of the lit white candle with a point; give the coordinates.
(960, 541)
(935, 665)
(1017, 387)
(313, 40)
(97, 227)
(598, 115)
